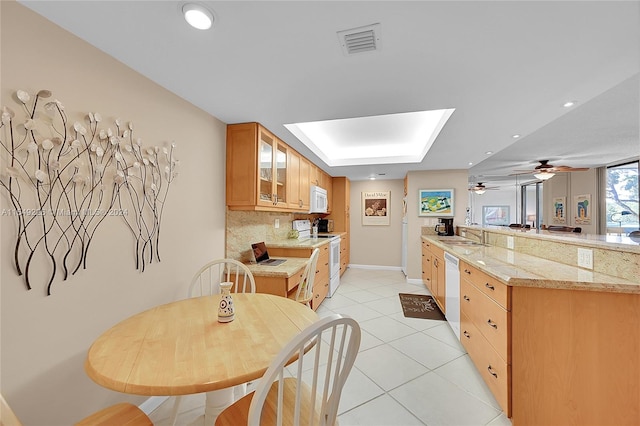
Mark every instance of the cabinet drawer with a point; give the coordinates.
(294, 280)
(320, 291)
(491, 319)
(494, 371)
(436, 251)
(487, 284)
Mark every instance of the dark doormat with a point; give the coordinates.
(420, 306)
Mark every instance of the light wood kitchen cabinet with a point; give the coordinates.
(256, 169)
(299, 188)
(575, 357)
(321, 280)
(344, 253)
(485, 329)
(433, 272)
(426, 266)
(438, 277)
(341, 216)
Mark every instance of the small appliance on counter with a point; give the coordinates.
(445, 227)
(303, 227)
(325, 225)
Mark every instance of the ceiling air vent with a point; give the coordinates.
(361, 39)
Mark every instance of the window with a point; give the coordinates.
(622, 198)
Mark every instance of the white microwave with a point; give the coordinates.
(318, 200)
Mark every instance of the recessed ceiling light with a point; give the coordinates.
(470, 163)
(516, 136)
(569, 104)
(489, 152)
(197, 16)
(381, 139)
(372, 178)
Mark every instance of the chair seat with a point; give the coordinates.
(237, 414)
(123, 414)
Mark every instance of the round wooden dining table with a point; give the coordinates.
(180, 348)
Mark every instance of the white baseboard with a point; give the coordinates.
(386, 268)
(152, 403)
(415, 281)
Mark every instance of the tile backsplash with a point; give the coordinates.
(246, 227)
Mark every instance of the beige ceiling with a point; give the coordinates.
(505, 66)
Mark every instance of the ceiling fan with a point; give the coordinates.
(480, 188)
(545, 171)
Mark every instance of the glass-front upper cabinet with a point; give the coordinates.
(281, 173)
(272, 177)
(265, 160)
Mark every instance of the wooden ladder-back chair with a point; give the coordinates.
(304, 294)
(307, 391)
(206, 282)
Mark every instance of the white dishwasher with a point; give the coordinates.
(452, 292)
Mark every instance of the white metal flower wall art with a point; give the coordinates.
(63, 179)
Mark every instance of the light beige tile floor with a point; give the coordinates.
(408, 371)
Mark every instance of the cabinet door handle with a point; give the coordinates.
(492, 324)
(435, 262)
(466, 271)
(493, 373)
(489, 286)
(465, 297)
(466, 334)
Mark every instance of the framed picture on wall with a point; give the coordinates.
(435, 202)
(375, 208)
(583, 209)
(495, 215)
(559, 210)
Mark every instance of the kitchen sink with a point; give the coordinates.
(463, 243)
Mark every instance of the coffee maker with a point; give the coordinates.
(445, 226)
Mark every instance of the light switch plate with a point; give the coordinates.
(277, 223)
(510, 243)
(585, 258)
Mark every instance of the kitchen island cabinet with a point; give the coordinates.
(556, 344)
(485, 329)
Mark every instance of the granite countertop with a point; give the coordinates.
(293, 264)
(302, 244)
(283, 270)
(609, 242)
(519, 269)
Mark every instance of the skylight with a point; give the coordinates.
(382, 139)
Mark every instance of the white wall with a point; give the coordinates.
(570, 185)
(439, 179)
(376, 245)
(44, 339)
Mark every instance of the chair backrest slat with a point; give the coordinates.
(207, 280)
